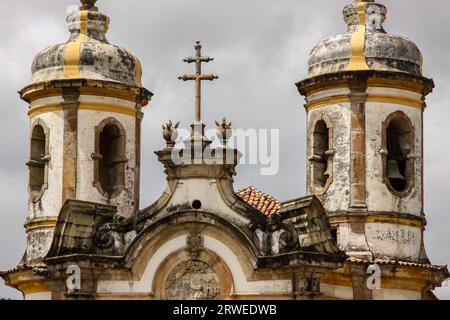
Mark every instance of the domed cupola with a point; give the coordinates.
(87, 54)
(86, 105)
(365, 100)
(365, 45)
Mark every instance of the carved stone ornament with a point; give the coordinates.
(194, 245)
(107, 237)
(289, 238)
(224, 131)
(170, 133)
(193, 280)
(40, 272)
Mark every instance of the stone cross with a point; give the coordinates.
(198, 78)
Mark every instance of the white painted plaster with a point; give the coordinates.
(39, 296)
(86, 191)
(338, 292)
(391, 241)
(379, 198)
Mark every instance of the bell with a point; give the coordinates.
(393, 171)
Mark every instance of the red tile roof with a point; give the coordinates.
(402, 263)
(265, 203)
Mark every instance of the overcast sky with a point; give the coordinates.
(261, 49)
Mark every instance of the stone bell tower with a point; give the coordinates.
(85, 107)
(365, 102)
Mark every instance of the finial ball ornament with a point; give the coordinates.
(88, 4)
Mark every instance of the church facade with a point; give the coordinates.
(359, 234)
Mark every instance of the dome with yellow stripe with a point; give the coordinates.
(87, 54)
(365, 45)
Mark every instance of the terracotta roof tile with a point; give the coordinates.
(265, 203)
(402, 263)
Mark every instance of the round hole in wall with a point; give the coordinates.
(196, 204)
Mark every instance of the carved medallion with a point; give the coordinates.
(193, 280)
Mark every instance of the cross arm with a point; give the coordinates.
(198, 59)
(187, 77)
(209, 77)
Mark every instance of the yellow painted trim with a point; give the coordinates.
(137, 70)
(411, 222)
(72, 53)
(396, 220)
(409, 280)
(333, 84)
(101, 92)
(396, 100)
(92, 91)
(47, 222)
(93, 106)
(327, 101)
(371, 82)
(336, 278)
(395, 84)
(30, 287)
(421, 62)
(105, 107)
(54, 107)
(322, 102)
(104, 92)
(124, 296)
(329, 298)
(246, 294)
(358, 60)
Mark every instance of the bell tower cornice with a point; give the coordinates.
(86, 87)
(369, 86)
(86, 105)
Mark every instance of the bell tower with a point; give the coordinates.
(85, 107)
(365, 100)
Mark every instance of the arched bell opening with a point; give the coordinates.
(38, 162)
(110, 158)
(398, 154)
(321, 160)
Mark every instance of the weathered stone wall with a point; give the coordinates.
(386, 239)
(337, 197)
(379, 198)
(50, 203)
(87, 121)
(393, 241)
(208, 193)
(38, 243)
(43, 213)
(396, 294)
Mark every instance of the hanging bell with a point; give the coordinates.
(393, 171)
